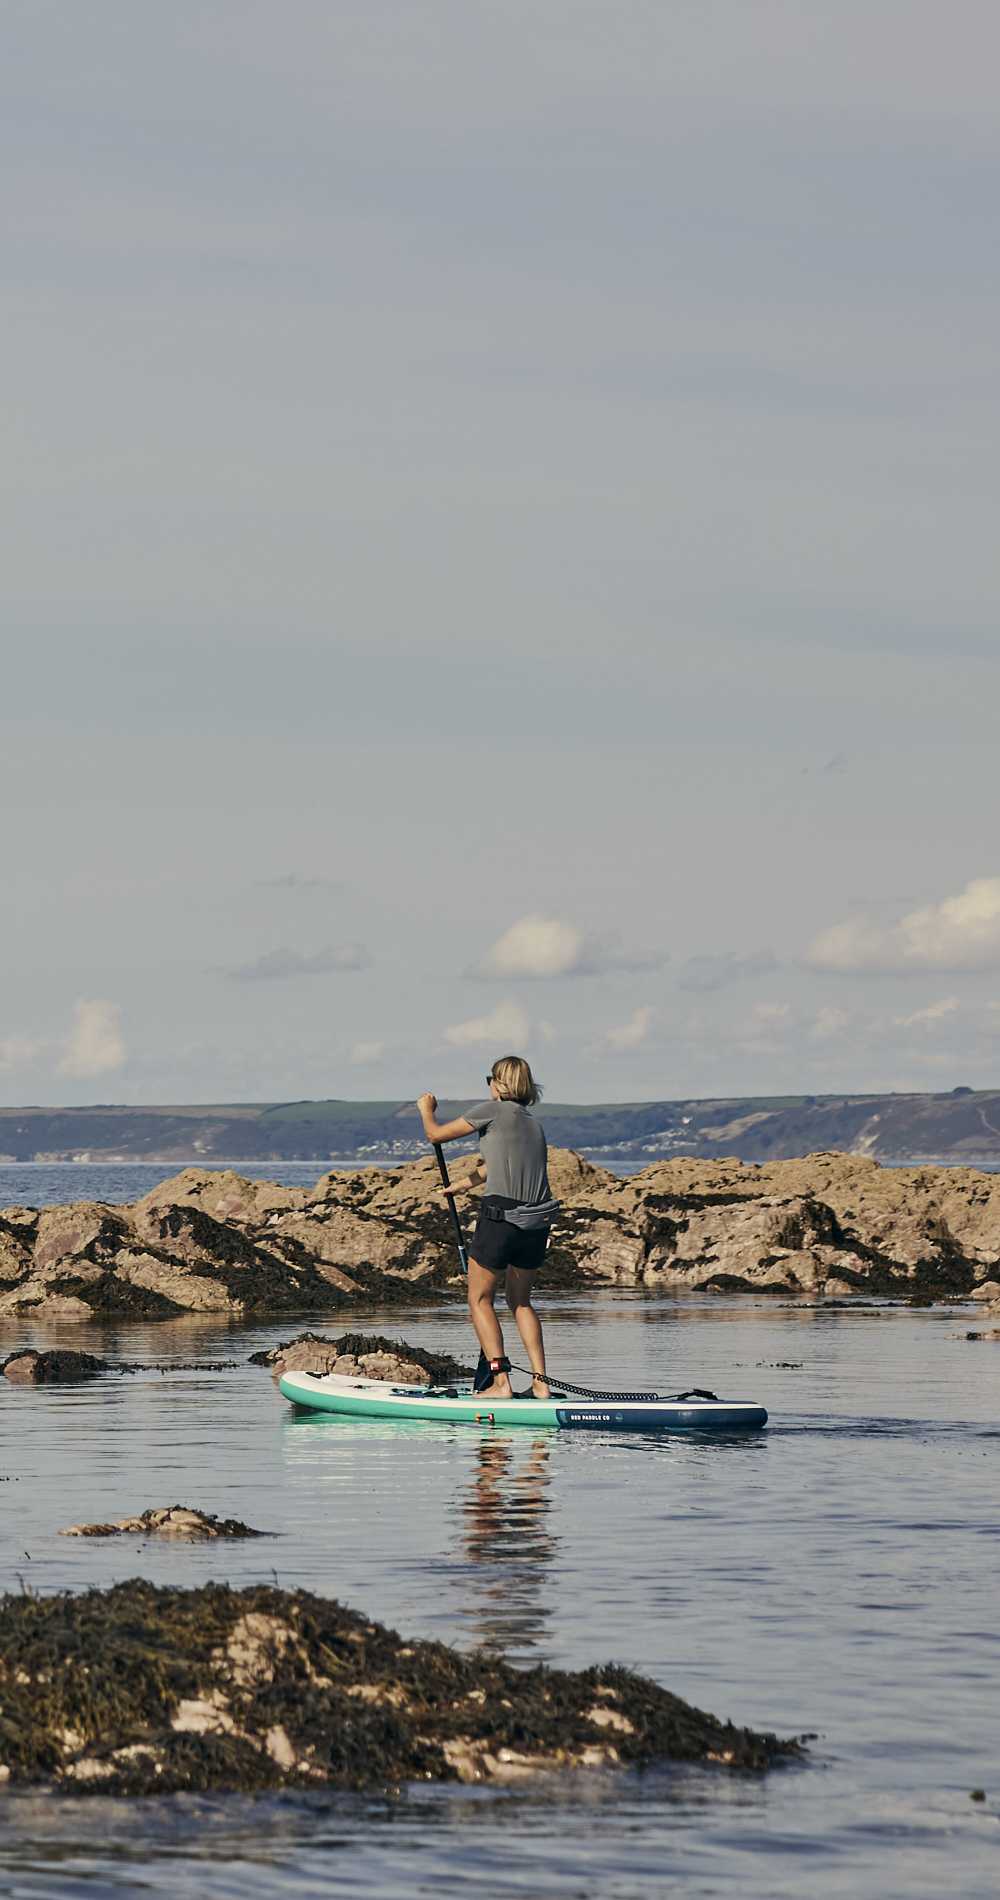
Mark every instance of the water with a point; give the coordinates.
(835, 1574)
(46, 1183)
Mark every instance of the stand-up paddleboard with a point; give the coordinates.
(374, 1398)
(578, 1408)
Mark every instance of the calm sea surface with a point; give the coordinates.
(838, 1574)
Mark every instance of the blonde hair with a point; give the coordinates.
(515, 1081)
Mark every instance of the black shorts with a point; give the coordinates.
(498, 1244)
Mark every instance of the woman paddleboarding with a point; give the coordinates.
(515, 1213)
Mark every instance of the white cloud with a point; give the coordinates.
(292, 963)
(960, 933)
(929, 1017)
(363, 1052)
(16, 1052)
(537, 946)
(507, 1023)
(629, 1035)
(95, 1045)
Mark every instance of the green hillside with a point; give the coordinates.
(963, 1125)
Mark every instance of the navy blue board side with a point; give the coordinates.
(644, 1418)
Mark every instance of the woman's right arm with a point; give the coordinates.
(435, 1131)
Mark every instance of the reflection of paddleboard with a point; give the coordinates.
(374, 1398)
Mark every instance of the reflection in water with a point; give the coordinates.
(505, 1535)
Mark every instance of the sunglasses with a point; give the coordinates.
(489, 1079)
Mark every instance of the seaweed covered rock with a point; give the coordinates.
(18, 1227)
(826, 1226)
(52, 1368)
(888, 1231)
(166, 1520)
(368, 1354)
(140, 1690)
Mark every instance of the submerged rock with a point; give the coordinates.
(139, 1690)
(829, 1226)
(166, 1520)
(52, 1368)
(366, 1354)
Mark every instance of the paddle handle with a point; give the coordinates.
(452, 1209)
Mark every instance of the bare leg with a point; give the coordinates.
(528, 1325)
(482, 1293)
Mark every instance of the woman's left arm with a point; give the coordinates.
(441, 1131)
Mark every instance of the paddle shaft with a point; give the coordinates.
(483, 1374)
(452, 1209)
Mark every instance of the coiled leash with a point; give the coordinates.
(597, 1392)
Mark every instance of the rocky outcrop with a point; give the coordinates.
(829, 1223)
(52, 1368)
(137, 1690)
(826, 1226)
(214, 1243)
(167, 1520)
(364, 1355)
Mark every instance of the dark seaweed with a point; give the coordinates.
(88, 1676)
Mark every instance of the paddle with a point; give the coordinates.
(483, 1372)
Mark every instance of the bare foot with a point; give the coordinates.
(540, 1386)
(500, 1389)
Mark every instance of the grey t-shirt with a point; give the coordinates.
(514, 1149)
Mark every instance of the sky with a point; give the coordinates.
(499, 537)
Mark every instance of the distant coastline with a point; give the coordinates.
(960, 1127)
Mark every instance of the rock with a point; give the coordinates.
(216, 1689)
(367, 1355)
(52, 1368)
(21, 1219)
(938, 1228)
(168, 1520)
(16, 1245)
(82, 1231)
(50, 1306)
(826, 1226)
(221, 1193)
(196, 1292)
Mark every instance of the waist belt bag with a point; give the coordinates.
(542, 1214)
